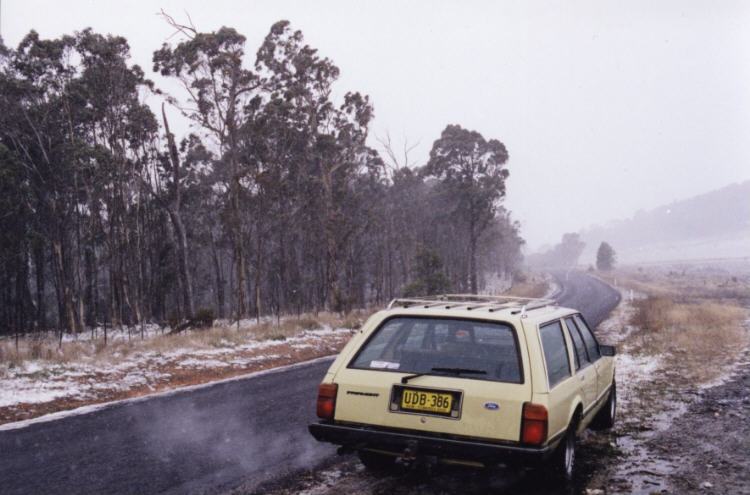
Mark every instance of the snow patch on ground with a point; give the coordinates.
(328, 479)
(41, 381)
(631, 371)
(617, 327)
(33, 391)
(202, 363)
(246, 323)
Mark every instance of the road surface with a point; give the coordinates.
(210, 440)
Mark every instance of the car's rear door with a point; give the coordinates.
(562, 386)
(603, 366)
(485, 405)
(586, 373)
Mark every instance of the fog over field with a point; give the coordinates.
(710, 226)
(606, 108)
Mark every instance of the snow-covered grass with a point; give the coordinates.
(90, 346)
(632, 371)
(672, 334)
(120, 333)
(632, 367)
(694, 320)
(44, 376)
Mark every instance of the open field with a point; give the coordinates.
(693, 316)
(682, 333)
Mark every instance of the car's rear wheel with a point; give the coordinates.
(375, 461)
(564, 459)
(605, 418)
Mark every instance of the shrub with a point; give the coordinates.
(308, 323)
(203, 318)
(352, 321)
(173, 320)
(36, 348)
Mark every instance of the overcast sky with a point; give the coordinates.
(605, 107)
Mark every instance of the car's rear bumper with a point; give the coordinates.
(357, 437)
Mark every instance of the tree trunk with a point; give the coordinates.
(90, 289)
(184, 271)
(258, 271)
(333, 291)
(41, 307)
(219, 277)
(472, 258)
(175, 215)
(239, 251)
(68, 307)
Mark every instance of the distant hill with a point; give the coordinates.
(713, 225)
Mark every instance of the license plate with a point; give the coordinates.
(420, 400)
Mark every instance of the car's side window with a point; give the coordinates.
(591, 345)
(555, 353)
(580, 348)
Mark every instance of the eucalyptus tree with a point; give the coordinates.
(471, 173)
(118, 127)
(18, 311)
(37, 129)
(271, 148)
(78, 127)
(334, 137)
(217, 87)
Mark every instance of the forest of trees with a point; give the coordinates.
(274, 202)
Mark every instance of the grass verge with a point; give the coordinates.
(696, 319)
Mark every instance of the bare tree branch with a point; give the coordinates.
(186, 30)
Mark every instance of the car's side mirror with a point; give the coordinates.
(607, 350)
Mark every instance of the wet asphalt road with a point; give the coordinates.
(592, 297)
(244, 432)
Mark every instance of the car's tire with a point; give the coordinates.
(564, 459)
(605, 418)
(375, 461)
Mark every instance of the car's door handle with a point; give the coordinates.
(583, 377)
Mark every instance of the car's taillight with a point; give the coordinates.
(534, 424)
(327, 400)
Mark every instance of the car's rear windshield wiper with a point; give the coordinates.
(455, 371)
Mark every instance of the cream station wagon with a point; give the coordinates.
(482, 380)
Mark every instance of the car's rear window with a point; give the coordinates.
(417, 345)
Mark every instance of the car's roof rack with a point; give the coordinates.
(474, 301)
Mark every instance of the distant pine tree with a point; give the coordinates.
(605, 257)
(429, 278)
